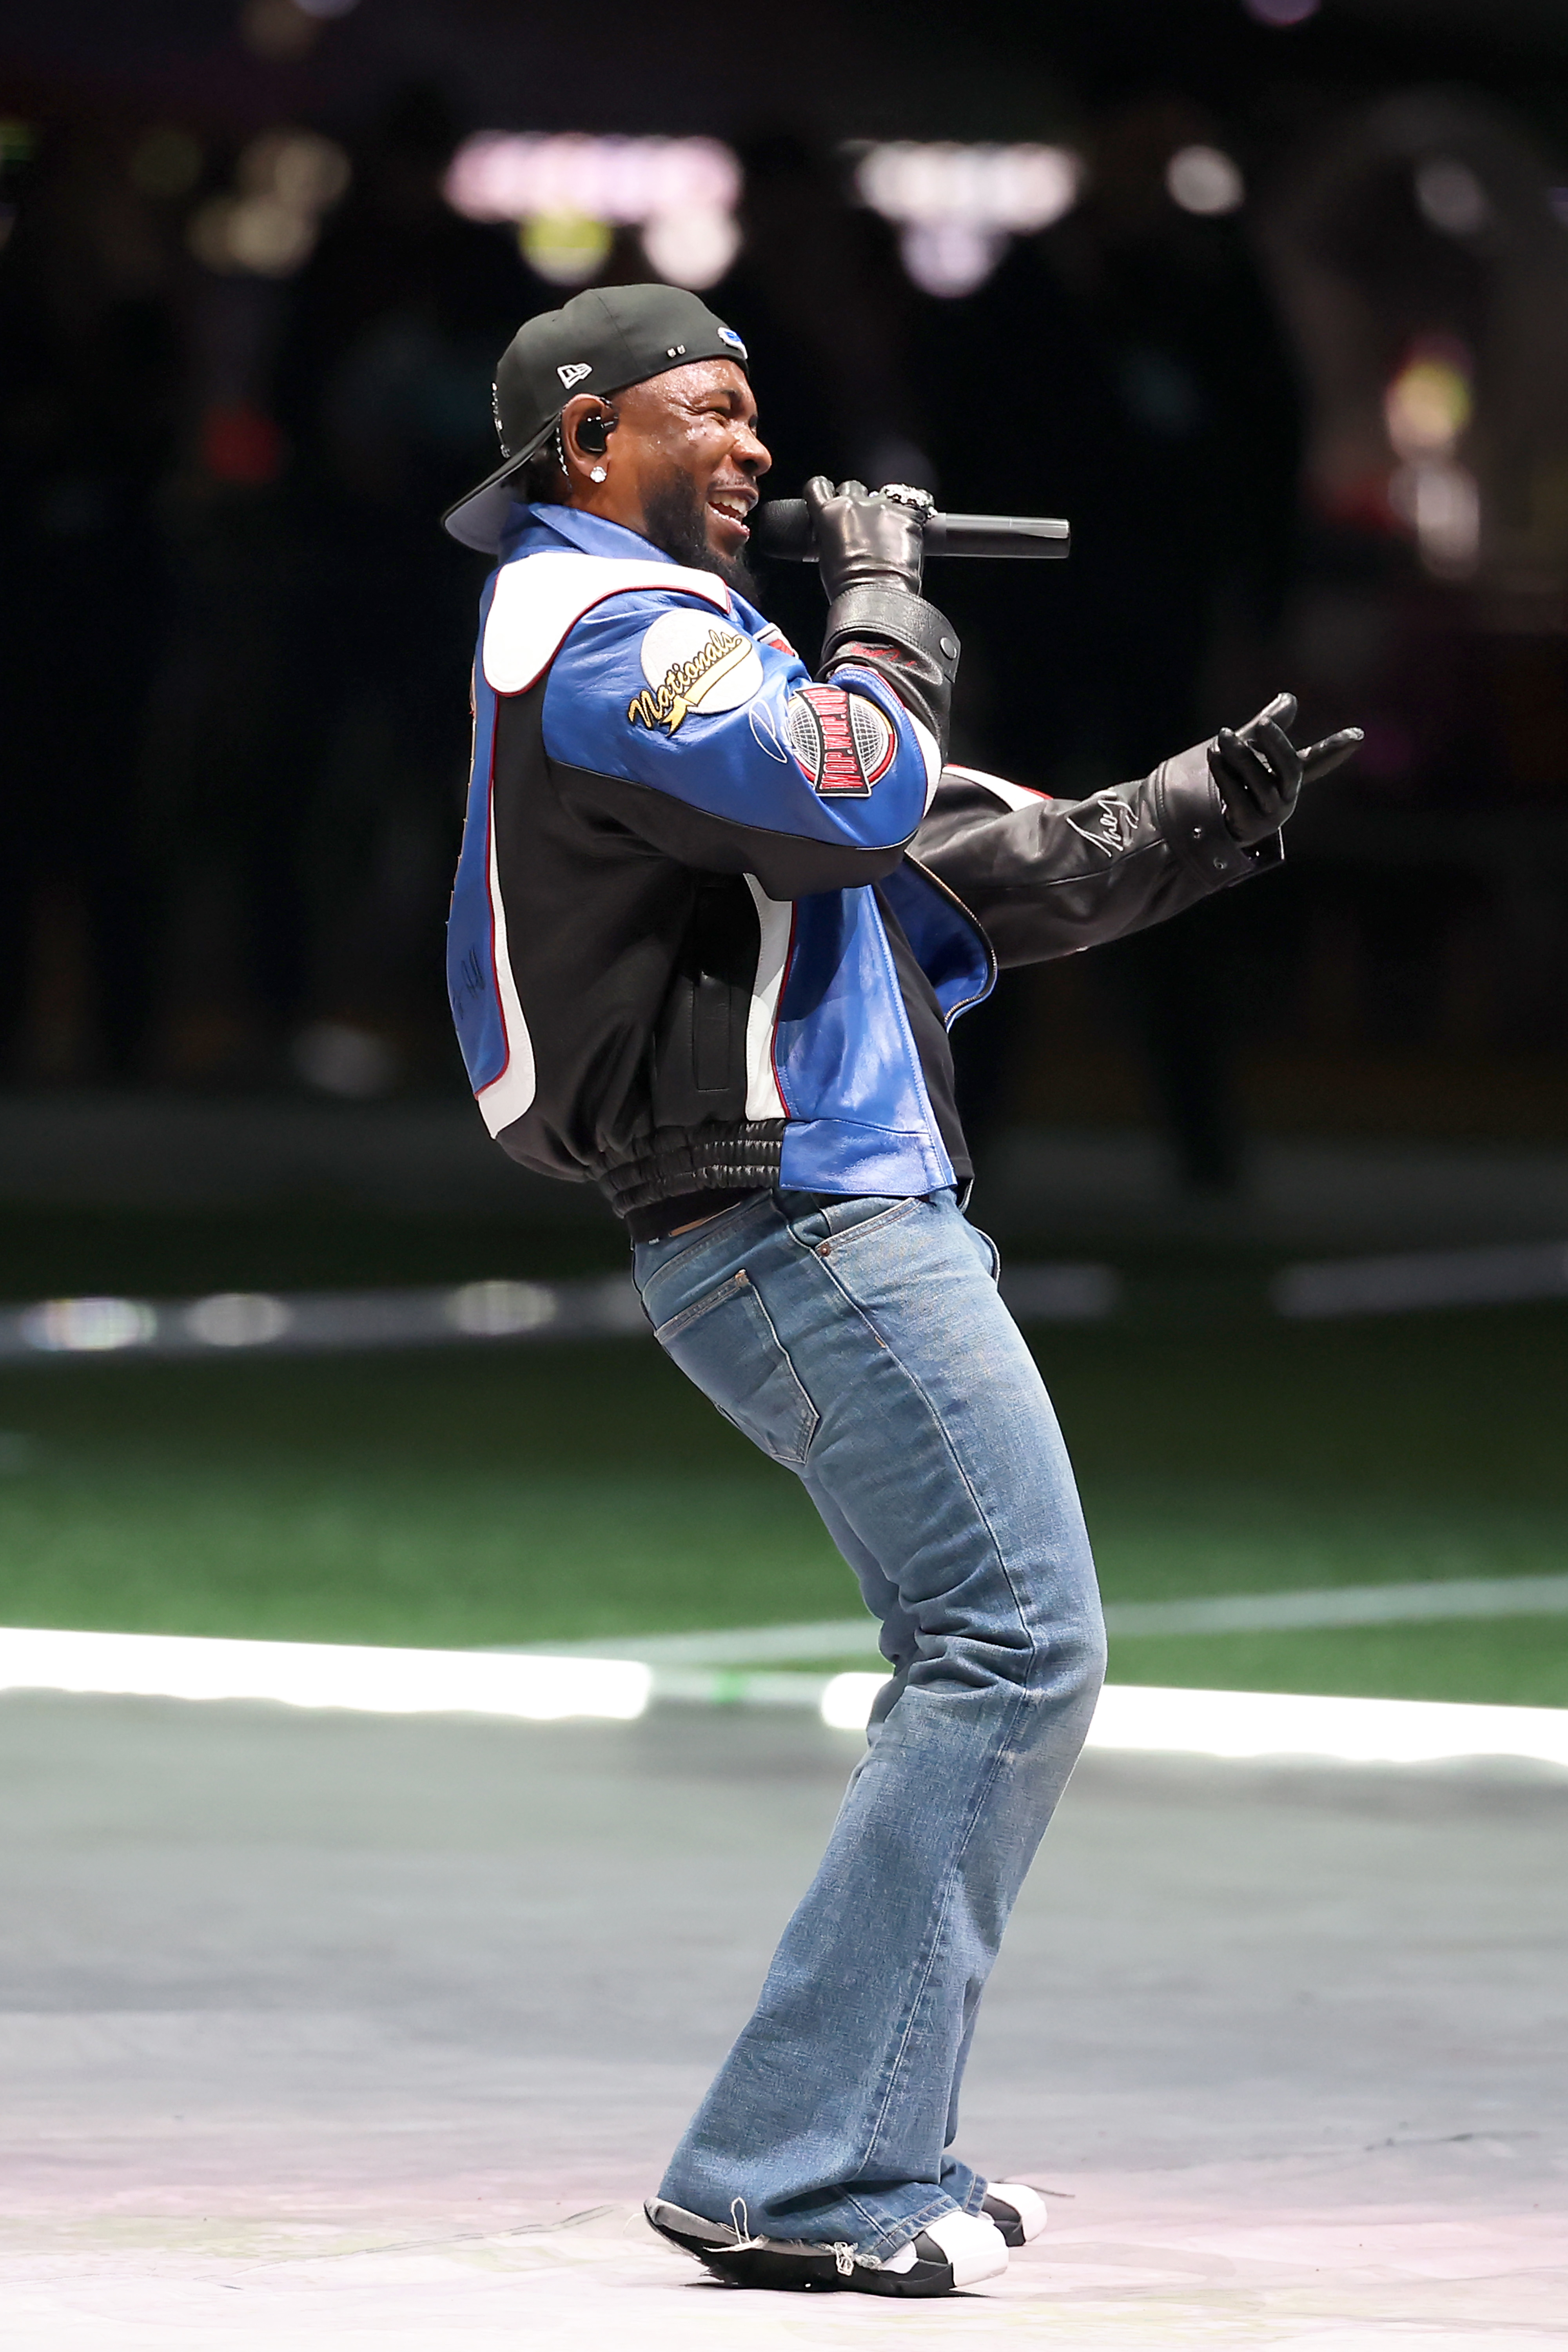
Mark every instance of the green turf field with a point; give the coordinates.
(517, 1493)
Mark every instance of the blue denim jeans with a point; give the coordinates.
(862, 1344)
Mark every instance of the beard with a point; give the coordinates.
(677, 521)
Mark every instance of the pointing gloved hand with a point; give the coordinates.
(863, 538)
(1259, 771)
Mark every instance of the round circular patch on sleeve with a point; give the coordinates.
(696, 666)
(845, 743)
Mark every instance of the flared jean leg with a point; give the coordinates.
(863, 1343)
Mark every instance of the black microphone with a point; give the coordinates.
(783, 527)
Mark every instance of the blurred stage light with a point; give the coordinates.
(949, 258)
(570, 192)
(534, 1688)
(566, 248)
(1205, 181)
(500, 1310)
(280, 31)
(505, 175)
(337, 1058)
(1427, 408)
(237, 1319)
(1442, 503)
(957, 206)
(1281, 13)
(252, 235)
(1451, 197)
(88, 1326)
(693, 247)
(990, 187)
(1429, 403)
(286, 180)
(299, 168)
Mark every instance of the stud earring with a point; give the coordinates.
(598, 474)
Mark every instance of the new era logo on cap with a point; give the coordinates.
(609, 336)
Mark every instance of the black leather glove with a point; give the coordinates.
(869, 549)
(1259, 771)
(863, 539)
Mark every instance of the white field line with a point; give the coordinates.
(1350, 1604)
(542, 1689)
(1498, 1276)
(1240, 1724)
(741, 1646)
(1238, 1612)
(313, 1322)
(323, 1673)
(606, 1306)
(1348, 1730)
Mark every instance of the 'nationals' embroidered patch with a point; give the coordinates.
(842, 741)
(693, 663)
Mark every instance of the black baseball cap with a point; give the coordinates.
(602, 340)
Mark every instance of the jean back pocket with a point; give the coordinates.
(727, 1346)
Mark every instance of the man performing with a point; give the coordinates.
(713, 917)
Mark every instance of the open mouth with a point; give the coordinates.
(734, 506)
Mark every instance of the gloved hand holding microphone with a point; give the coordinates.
(875, 540)
(868, 538)
(869, 547)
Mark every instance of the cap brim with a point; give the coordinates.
(479, 519)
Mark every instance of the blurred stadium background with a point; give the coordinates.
(1270, 298)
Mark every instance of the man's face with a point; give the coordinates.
(683, 464)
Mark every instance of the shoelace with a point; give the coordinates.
(741, 2223)
(844, 2256)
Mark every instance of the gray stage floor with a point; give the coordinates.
(330, 2030)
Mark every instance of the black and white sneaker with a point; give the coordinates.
(1017, 2210)
(957, 2251)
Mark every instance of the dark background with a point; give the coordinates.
(234, 662)
(234, 642)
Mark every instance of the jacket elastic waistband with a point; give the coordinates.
(677, 1162)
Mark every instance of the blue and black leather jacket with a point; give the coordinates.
(714, 915)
